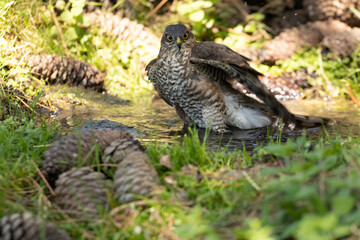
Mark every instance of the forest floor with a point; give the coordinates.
(303, 188)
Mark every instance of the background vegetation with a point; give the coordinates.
(305, 189)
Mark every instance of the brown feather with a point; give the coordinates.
(198, 80)
(151, 63)
(222, 53)
(310, 121)
(234, 65)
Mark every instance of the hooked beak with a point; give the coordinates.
(178, 42)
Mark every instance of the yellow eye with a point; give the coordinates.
(169, 38)
(186, 35)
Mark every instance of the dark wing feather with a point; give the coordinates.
(150, 64)
(220, 62)
(222, 53)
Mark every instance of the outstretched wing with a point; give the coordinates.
(222, 64)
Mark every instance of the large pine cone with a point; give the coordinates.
(135, 176)
(329, 26)
(292, 40)
(55, 69)
(26, 227)
(342, 44)
(63, 154)
(289, 42)
(138, 38)
(335, 9)
(81, 191)
(125, 30)
(119, 149)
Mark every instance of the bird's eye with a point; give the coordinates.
(169, 38)
(186, 35)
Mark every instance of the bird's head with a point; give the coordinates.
(176, 36)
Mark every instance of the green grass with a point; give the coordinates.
(307, 189)
(313, 194)
(336, 78)
(301, 189)
(22, 144)
(29, 28)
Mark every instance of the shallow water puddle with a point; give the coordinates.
(150, 119)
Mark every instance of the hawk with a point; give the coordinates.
(199, 80)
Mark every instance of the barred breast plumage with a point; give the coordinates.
(181, 86)
(197, 80)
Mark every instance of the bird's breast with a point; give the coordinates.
(184, 87)
(172, 76)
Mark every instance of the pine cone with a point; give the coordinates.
(125, 30)
(138, 38)
(335, 9)
(288, 86)
(119, 149)
(330, 26)
(81, 191)
(292, 40)
(135, 176)
(55, 69)
(26, 227)
(64, 153)
(289, 42)
(342, 44)
(285, 87)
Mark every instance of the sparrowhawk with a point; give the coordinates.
(199, 80)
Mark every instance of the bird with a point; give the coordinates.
(199, 80)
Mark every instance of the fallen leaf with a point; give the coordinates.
(165, 161)
(170, 180)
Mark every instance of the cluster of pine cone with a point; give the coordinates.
(332, 24)
(82, 184)
(333, 9)
(332, 30)
(56, 69)
(329, 24)
(332, 35)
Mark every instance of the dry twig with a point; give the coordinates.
(154, 11)
(53, 15)
(43, 178)
(352, 95)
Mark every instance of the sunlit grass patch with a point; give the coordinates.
(336, 78)
(311, 182)
(21, 147)
(32, 27)
(302, 188)
(307, 188)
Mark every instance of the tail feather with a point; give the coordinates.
(310, 121)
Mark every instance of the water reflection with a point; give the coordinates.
(149, 118)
